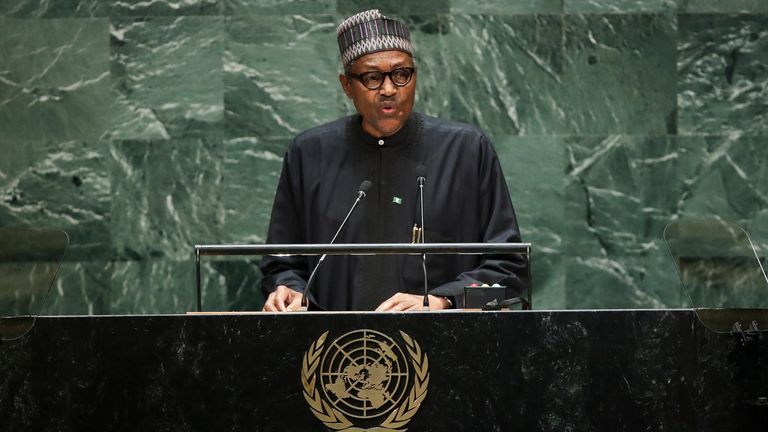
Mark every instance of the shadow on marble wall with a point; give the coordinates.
(143, 128)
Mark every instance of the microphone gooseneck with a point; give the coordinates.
(421, 178)
(365, 186)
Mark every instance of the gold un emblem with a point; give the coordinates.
(363, 381)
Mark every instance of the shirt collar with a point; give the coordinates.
(403, 137)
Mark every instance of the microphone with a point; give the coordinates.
(362, 190)
(420, 177)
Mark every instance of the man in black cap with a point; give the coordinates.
(465, 195)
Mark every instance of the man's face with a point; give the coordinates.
(386, 109)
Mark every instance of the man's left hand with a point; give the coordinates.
(410, 302)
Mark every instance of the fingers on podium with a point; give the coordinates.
(281, 298)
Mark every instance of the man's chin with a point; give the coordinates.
(387, 127)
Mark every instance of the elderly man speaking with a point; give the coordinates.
(387, 148)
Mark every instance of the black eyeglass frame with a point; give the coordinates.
(384, 76)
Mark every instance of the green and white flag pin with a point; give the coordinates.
(397, 200)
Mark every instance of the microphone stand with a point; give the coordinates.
(421, 180)
(360, 195)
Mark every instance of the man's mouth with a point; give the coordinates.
(387, 108)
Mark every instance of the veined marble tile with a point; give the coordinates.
(18, 157)
(548, 273)
(726, 6)
(623, 282)
(231, 284)
(533, 168)
(54, 79)
(394, 8)
(168, 286)
(152, 286)
(239, 8)
(622, 191)
(252, 168)
(620, 74)
(619, 6)
(501, 73)
(167, 75)
(280, 75)
(24, 285)
(164, 7)
(723, 68)
(727, 177)
(167, 197)
(81, 288)
(54, 8)
(103, 8)
(506, 7)
(61, 185)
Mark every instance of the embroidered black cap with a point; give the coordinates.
(368, 32)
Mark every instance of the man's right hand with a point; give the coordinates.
(283, 299)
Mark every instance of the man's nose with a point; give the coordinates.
(388, 88)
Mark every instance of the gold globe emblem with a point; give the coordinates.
(364, 375)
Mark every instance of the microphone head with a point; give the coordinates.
(365, 186)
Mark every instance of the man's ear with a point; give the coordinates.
(345, 85)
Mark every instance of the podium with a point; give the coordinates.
(630, 370)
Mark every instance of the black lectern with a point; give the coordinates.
(422, 371)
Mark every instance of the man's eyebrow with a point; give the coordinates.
(394, 65)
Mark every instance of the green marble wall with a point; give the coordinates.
(142, 128)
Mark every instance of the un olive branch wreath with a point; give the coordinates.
(407, 410)
(334, 419)
(330, 416)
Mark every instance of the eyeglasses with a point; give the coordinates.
(375, 79)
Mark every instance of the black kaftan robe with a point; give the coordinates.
(465, 200)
